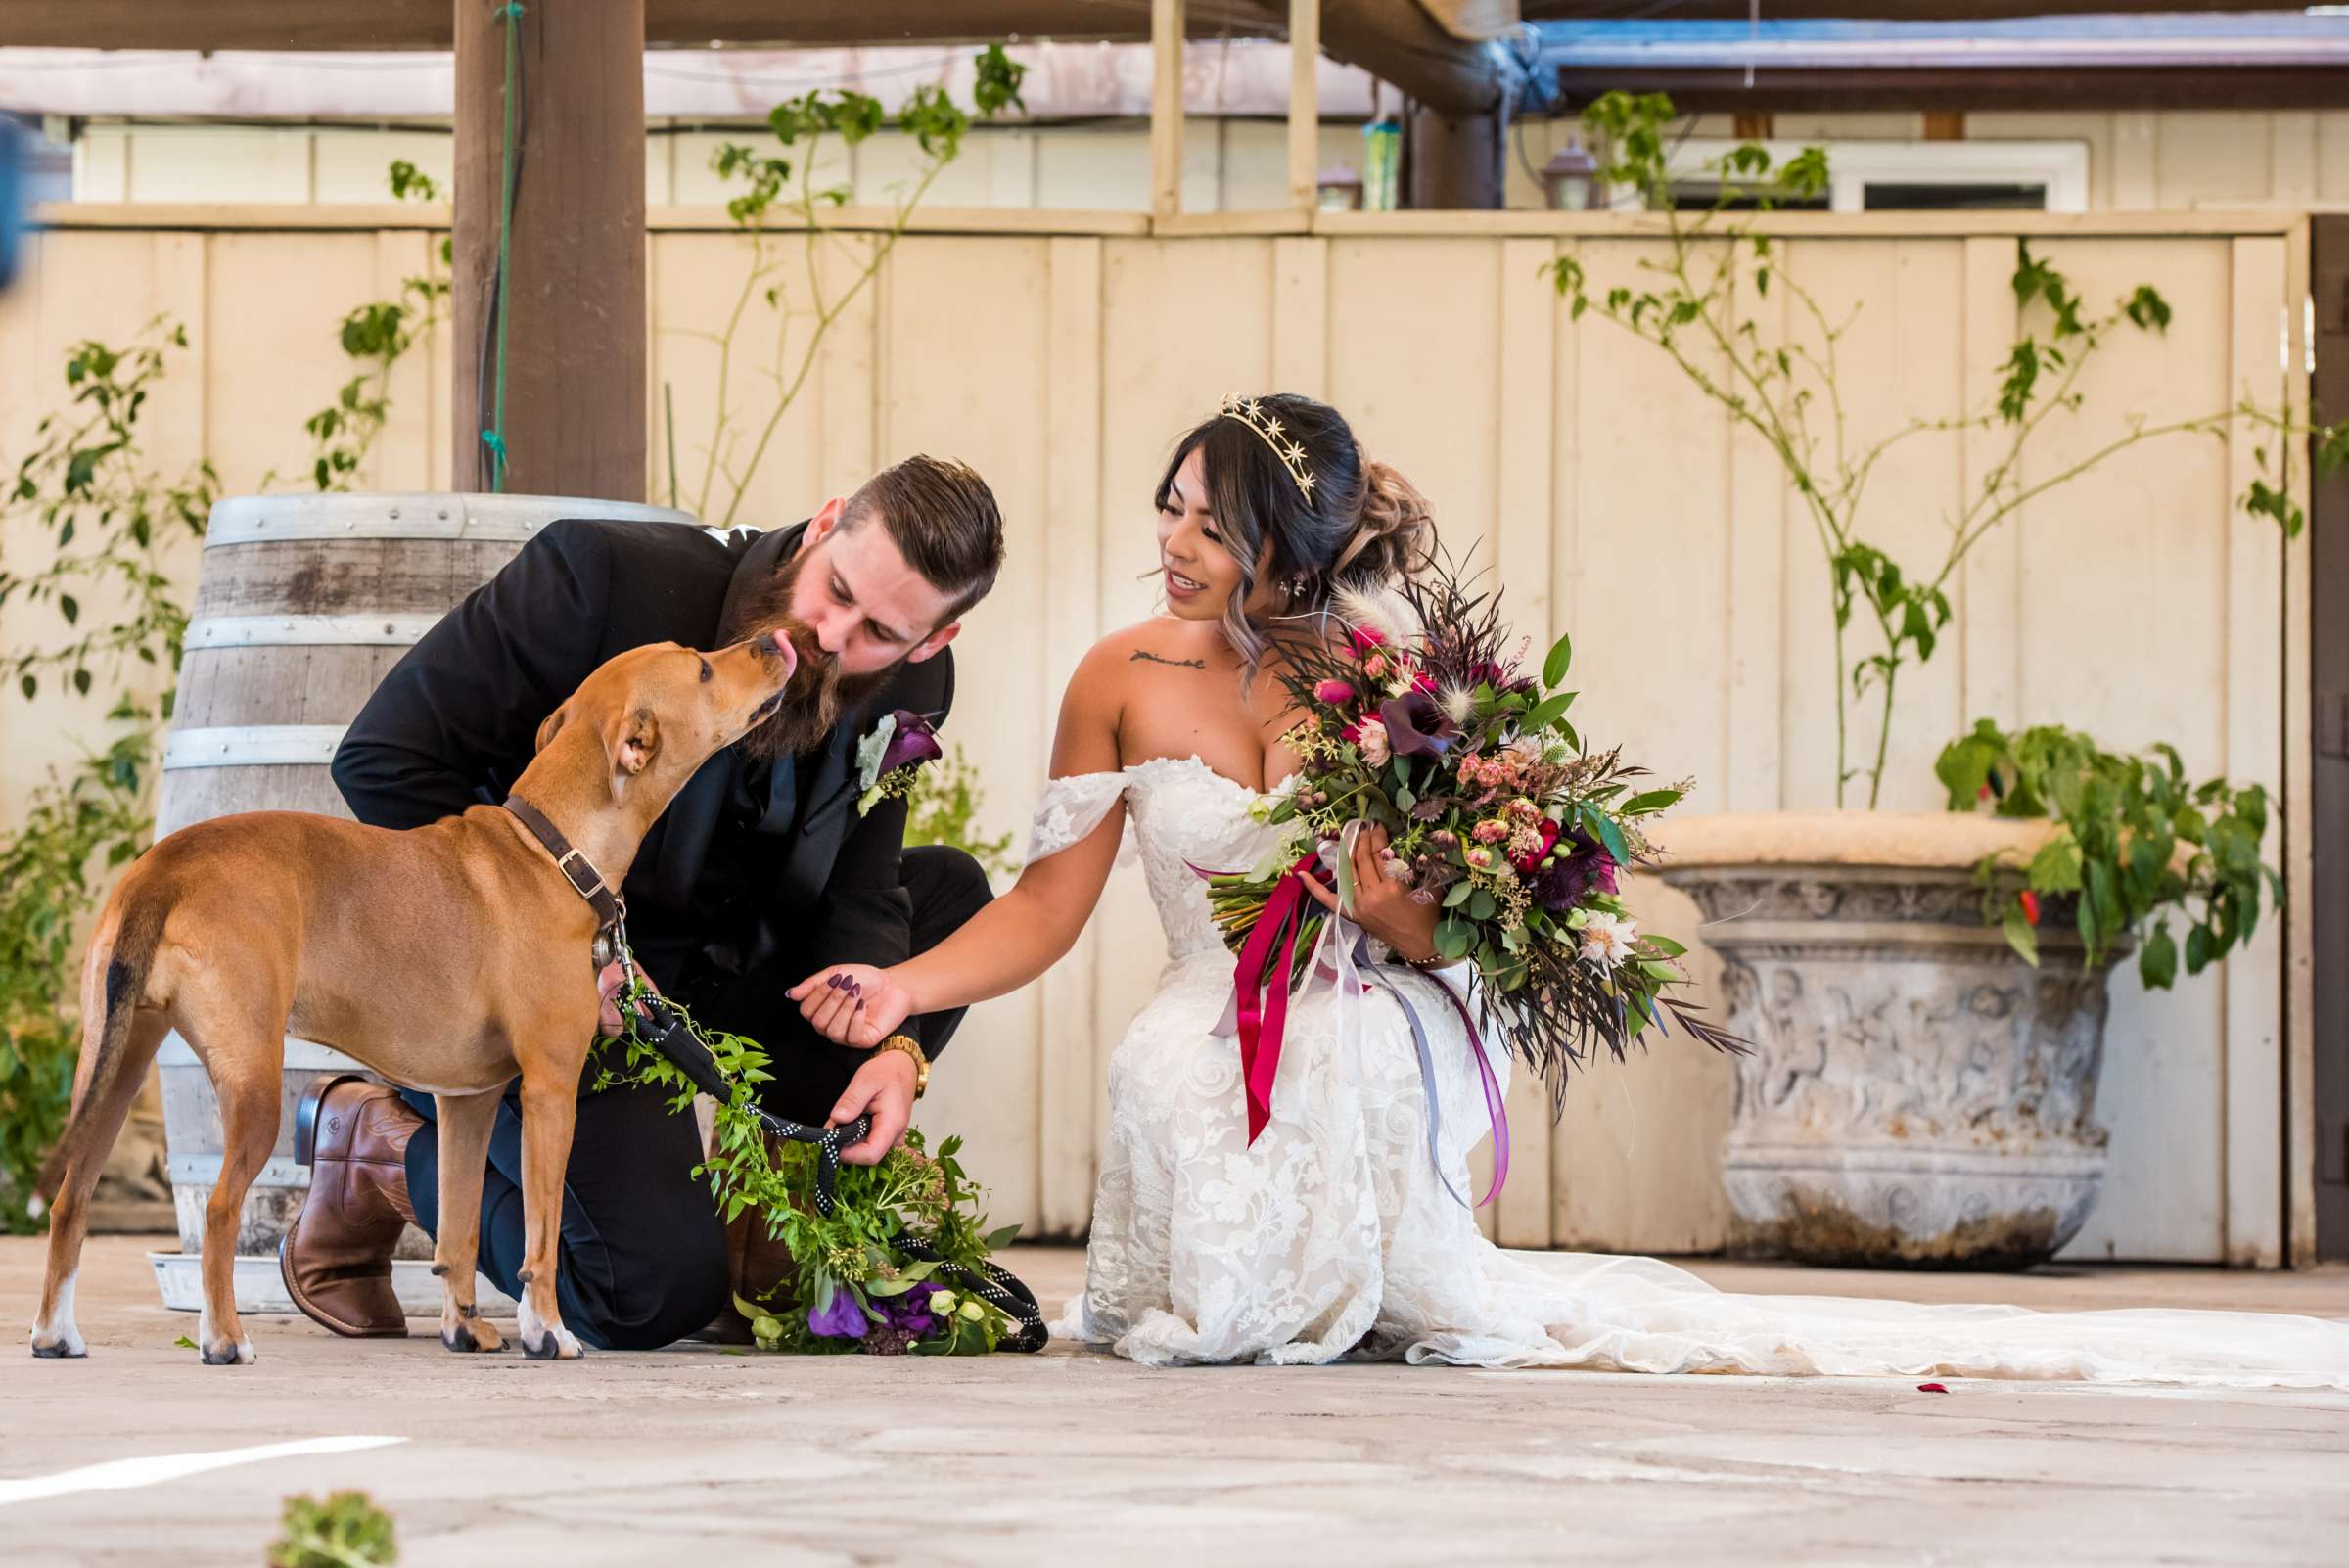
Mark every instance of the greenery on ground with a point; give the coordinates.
(345, 1531)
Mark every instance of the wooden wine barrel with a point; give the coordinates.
(305, 603)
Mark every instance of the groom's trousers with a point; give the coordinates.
(642, 1250)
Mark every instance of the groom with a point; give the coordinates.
(761, 870)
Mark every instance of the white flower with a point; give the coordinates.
(1607, 939)
(1379, 609)
(870, 751)
(1525, 750)
(1373, 742)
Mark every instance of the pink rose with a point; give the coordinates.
(1376, 667)
(1477, 857)
(1333, 692)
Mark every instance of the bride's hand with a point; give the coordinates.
(1382, 905)
(852, 1005)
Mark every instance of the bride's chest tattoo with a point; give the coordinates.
(1143, 656)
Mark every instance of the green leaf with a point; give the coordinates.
(1561, 658)
(1551, 711)
(2020, 937)
(1458, 895)
(1454, 939)
(1609, 834)
(1649, 802)
(2157, 963)
(1482, 906)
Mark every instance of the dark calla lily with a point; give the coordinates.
(1415, 725)
(913, 741)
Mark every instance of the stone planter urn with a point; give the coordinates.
(1919, 1096)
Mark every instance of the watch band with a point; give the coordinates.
(921, 1062)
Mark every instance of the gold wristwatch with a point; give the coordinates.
(921, 1064)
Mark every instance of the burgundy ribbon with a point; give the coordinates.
(1263, 1017)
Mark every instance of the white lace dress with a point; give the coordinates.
(1333, 1234)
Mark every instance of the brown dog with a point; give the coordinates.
(450, 959)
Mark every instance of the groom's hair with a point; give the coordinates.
(943, 521)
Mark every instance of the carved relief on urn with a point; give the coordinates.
(1917, 1096)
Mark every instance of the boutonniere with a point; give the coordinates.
(888, 758)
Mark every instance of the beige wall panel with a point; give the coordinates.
(218, 164)
(1416, 392)
(1109, 171)
(995, 422)
(2122, 633)
(355, 165)
(2332, 156)
(276, 309)
(2212, 158)
(1643, 585)
(1898, 353)
(74, 286)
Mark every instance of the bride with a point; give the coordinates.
(1339, 1231)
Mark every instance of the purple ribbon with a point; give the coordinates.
(1494, 1108)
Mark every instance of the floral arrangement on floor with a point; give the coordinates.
(854, 1285)
(1419, 718)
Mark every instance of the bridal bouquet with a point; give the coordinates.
(1420, 719)
(856, 1282)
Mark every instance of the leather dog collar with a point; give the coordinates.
(580, 872)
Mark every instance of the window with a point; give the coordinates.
(1915, 176)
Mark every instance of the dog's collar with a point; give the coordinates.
(580, 872)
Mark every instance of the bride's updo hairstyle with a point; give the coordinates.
(1286, 470)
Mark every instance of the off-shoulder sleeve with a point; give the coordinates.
(1072, 807)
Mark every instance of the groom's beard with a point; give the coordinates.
(819, 693)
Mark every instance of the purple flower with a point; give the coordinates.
(843, 1319)
(1583, 868)
(1415, 725)
(909, 1315)
(913, 741)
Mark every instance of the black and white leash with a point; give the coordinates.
(669, 1029)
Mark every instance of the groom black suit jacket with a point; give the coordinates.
(753, 862)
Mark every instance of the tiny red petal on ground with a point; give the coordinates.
(1931, 1388)
(2031, 907)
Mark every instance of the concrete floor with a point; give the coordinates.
(698, 1457)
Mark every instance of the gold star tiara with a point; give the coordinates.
(1251, 413)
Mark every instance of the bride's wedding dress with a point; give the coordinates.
(1335, 1233)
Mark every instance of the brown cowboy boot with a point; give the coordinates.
(352, 1133)
(756, 1264)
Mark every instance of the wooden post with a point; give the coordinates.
(1305, 103)
(1455, 162)
(576, 327)
(1165, 107)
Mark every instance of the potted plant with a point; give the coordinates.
(1926, 992)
